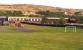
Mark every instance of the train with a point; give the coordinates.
(37, 20)
(42, 20)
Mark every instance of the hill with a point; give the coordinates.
(34, 8)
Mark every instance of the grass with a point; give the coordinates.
(46, 38)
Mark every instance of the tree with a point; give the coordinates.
(80, 19)
(77, 13)
(43, 13)
(51, 14)
(2, 13)
(17, 13)
(8, 13)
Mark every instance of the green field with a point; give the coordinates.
(44, 38)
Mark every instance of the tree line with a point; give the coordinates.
(51, 14)
(10, 13)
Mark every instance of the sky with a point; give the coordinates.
(76, 4)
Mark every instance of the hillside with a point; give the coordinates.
(26, 7)
(30, 7)
(33, 8)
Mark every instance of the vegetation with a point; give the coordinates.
(10, 13)
(51, 14)
(32, 15)
(45, 38)
(77, 13)
(80, 18)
